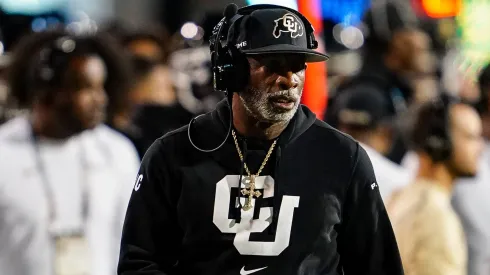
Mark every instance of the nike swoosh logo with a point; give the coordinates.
(246, 272)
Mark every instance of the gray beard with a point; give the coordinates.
(258, 106)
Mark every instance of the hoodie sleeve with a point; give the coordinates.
(151, 235)
(367, 244)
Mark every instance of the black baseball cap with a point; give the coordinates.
(272, 31)
(364, 107)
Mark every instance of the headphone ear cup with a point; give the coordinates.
(222, 69)
(438, 144)
(217, 80)
(227, 69)
(438, 148)
(240, 74)
(447, 149)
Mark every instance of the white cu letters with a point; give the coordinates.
(289, 23)
(248, 225)
(137, 185)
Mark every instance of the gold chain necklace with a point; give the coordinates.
(251, 189)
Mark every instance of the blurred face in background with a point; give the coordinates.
(469, 90)
(412, 51)
(145, 48)
(156, 87)
(467, 141)
(85, 105)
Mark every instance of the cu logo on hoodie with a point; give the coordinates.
(137, 185)
(289, 23)
(250, 225)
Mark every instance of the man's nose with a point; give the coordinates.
(287, 81)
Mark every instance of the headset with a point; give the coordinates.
(230, 67)
(438, 143)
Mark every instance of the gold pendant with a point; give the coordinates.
(247, 206)
(251, 193)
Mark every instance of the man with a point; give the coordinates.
(153, 42)
(447, 139)
(396, 58)
(471, 198)
(63, 176)
(285, 194)
(368, 117)
(155, 109)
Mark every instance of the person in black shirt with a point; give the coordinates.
(156, 110)
(284, 194)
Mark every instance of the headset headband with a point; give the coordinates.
(217, 34)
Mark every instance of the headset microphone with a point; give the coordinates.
(230, 11)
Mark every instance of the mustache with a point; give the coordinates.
(286, 94)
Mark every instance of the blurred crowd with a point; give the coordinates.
(80, 106)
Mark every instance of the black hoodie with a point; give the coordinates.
(320, 211)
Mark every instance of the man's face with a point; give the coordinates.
(275, 86)
(467, 141)
(146, 48)
(86, 95)
(414, 50)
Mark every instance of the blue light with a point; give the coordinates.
(39, 24)
(285, 3)
(346, 12)
(31, 6)
(52, 21)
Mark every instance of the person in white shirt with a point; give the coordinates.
(64, 184)
(367, 115)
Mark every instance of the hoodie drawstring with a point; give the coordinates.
(238, 209)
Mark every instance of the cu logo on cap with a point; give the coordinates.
(289, 23)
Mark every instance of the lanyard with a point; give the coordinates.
(48, 187)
